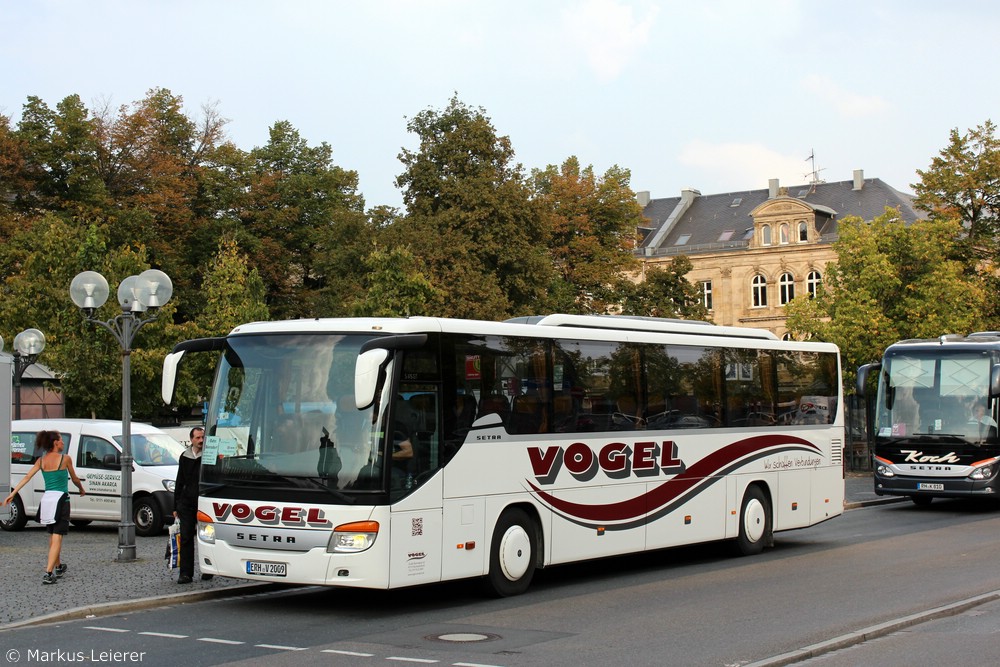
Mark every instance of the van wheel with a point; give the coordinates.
(17, 519)
(147, 517)
(755, 523)
(513, 553)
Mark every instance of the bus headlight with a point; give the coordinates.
(883, 468)
(983, 470)
(206, 528)
(353, 537)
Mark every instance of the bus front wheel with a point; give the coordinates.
(755, 522)
(513, 553)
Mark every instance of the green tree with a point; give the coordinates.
(470, 218)
(963, 183)
(395, 288)
(61, 168)
(592, 224)
(665, 292)
(890, 281)
(43, 259)
(297, 196)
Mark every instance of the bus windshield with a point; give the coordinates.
(282, 414)
(932, 394)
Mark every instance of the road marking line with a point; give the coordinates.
(164, 634)
(472, 664)
(420, 660)
(350, 653)
(213, 640)
(281, 648)
(97, 627)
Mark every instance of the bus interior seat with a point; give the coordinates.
(527, 415)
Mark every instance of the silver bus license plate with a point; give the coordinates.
(266, 568)
(927, 486)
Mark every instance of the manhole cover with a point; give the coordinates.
(464, 637)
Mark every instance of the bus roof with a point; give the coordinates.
(594, 327)
(982, 340)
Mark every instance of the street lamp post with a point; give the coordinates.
(137, 295)
(27, 346)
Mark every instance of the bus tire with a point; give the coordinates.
(755, 522)
(513, 553)
(922, 501)
(147, 516)
(17, 519)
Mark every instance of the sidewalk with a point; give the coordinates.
(96, 583)
(93, 578)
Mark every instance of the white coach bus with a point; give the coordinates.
(381, 453)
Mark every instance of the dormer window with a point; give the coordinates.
(803, 232)
(682, 239)
(765, 234)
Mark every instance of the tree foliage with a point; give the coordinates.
(665, 292)
(963, 183)
(470, 218)
(592, 226)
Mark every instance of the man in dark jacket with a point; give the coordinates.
(186, 503)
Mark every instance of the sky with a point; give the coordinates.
(719, 96)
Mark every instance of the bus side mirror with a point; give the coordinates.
(169, 381)
(995, 381)
(368, 372)
(862, 380)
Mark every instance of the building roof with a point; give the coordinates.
(723, 221)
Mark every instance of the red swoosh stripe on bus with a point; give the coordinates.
(668, 491)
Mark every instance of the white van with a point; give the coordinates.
(95, 447)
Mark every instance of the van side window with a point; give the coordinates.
(22, 447)
(92, 452)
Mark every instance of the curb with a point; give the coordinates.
(876, 501)
(875, 631)
(109, 608)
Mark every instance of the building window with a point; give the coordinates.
(682, 239)
(765, 234)
(758, 291)
(727, 234)
(783, 231)
(786, 288)
(803, 232)
(812, 283)
(706, 293)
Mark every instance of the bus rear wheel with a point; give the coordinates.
(755, 522)
(513, 553)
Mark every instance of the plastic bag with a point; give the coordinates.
(172, 556)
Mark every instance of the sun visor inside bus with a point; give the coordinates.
(400, 342)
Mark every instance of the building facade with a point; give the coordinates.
(753, 252)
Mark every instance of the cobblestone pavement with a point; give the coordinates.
(94, 578)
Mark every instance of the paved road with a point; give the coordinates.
(95, 583)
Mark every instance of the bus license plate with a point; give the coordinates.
(266, 568)
(927, 486)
